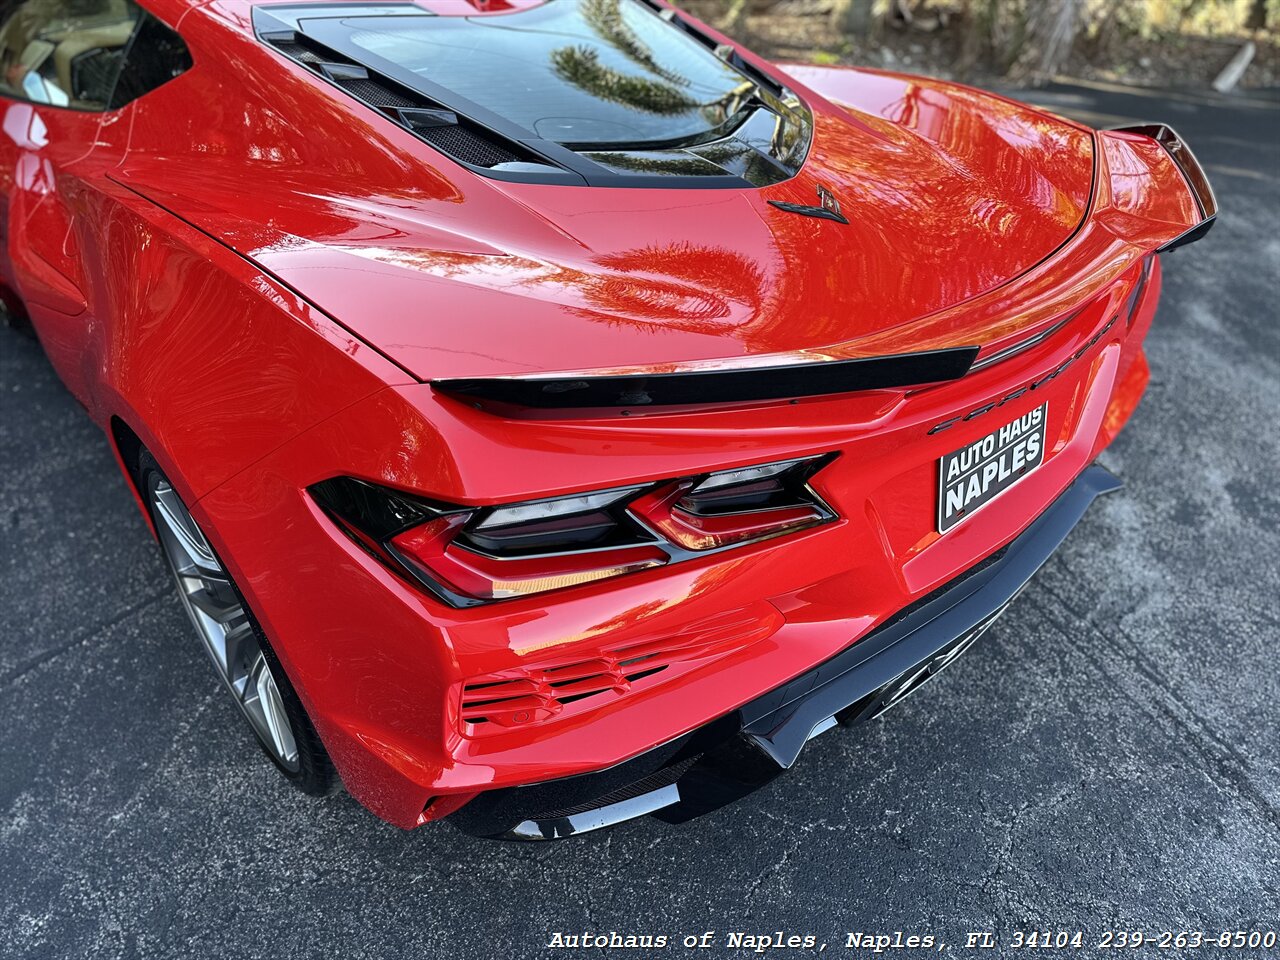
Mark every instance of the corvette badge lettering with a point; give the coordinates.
(1035, 385)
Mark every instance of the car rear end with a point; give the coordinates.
(536, 615)
(429, 699)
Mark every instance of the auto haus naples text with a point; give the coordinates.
(974, 475)
(755, 943)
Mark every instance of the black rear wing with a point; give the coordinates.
(1192, 172)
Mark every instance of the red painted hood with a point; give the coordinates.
(949, 193)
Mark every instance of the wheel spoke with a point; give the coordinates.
(220, 618)
(205, 599)
(274, 717)
(239, 649)
(186, 536)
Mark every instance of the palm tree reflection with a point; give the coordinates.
(660, 89)
(689, 287)
(581, 66)
(606, 18)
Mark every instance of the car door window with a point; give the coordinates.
(64, 53)
(156, 55)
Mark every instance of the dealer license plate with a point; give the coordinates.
(976, 474)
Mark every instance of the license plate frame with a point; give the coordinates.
(978, 473)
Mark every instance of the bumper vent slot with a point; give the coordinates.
(541, 694)
(513, 698)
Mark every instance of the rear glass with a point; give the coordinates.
(575, 71)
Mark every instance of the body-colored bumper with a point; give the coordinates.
(738, 753)
(379, 665)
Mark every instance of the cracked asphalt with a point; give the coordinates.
(1106, 758)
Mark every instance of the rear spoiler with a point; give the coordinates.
(720, 385)
(1191, 171)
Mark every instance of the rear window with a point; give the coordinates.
(587, 72)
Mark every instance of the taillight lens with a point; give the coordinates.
(488, 578)
(732, 507)
(468, 555)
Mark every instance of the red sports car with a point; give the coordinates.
(553, 413)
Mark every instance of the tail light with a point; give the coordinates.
(471, 555)
(735, 506)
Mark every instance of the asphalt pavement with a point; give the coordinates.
(1106, 758)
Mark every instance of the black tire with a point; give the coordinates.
(14, 317)
(315, 775)
(312, 772)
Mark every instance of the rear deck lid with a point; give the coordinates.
(564, 262)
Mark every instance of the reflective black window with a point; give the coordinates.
(84, 54)
(156, 56)
(574, 71)
(66, 53)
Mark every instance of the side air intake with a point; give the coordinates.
(456, 137)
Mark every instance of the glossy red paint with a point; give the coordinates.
(601, 275)
(257, 276)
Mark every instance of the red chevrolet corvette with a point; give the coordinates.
(553, 413)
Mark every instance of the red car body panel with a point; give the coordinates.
(560, 278)
(260, 298)
(807, 596)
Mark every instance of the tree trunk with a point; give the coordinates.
(1257, 16)
(735, 16)
(853, 17)
(1051, 30)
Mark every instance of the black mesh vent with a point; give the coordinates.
(466, 146)
(654, 781)
(370, 91)
(296, 51)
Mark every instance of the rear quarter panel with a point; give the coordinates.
(212, 363)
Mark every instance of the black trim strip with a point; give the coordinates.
(1024, 345)
(1191, 236)
(718, 386)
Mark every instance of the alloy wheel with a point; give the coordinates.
(223, 624)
